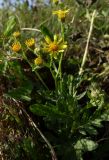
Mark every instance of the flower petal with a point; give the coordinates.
(47, 39)
(55, 12)
(66, 11)
(61, 50)
(60, 40)
(63, 46)
(55, 38)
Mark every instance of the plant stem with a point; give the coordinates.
(62, 30)
(59, 68)
(37, 74)
(87, 44)
(39, 77)
(60, 61)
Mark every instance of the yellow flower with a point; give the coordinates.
(54, 46)
(16, 34)
(30, 42)
(61, 14)
(38, 61)
(16, 47)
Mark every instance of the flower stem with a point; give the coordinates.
(50, 67)
(37, 74)
(59, 68)
(60, 61)
(62, 30)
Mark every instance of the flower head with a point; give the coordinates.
(38, 61)
(30, 42)
(16, 34)
(61, 14)
(16, 47)
(54, 46)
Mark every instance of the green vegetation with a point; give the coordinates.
(54, 80)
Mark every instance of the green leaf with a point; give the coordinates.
(79, 155)
(91, 130)
(81, 95)
(97, 123)
(21, 93)
(29, 148)
(49, 111)
(46, 32)
(85, 145)
(105, 116)
(10, 26)
(82, 132)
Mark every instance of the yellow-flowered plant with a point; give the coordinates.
(61, 14)
(16, 34)
(54, 46)
(38, 61)
(16, 47)
(30, 42)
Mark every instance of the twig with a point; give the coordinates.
(53, 154)
(31, 29)
(102, 139)
(87, 44)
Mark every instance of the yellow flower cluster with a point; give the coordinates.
(16, 34)
(30, 42)
(61, 14)
(16, 47)
(53, 46)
